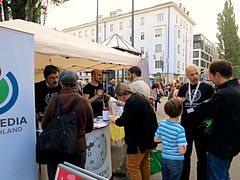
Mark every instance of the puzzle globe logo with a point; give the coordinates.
(8, 91)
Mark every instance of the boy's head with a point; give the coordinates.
(173, 108)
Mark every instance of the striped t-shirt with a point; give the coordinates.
(173, 135)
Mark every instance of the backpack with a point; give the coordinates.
(58, 142)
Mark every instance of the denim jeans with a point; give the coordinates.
(217, 168)
(171, 169)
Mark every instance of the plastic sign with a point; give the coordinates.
(66, 175)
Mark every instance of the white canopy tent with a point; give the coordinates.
(69, 52)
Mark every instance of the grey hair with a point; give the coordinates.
(123, 89)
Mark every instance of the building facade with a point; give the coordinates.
(204, 52)
(163, 32)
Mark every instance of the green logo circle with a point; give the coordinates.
(4, 90)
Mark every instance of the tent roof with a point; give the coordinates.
(117, 42)
(69, 52)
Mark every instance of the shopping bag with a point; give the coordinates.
(155, 161)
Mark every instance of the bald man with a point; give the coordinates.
(94, 92)
(194, 92)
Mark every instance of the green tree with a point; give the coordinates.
(229, 42)
(30, 10)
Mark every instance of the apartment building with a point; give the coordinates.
(204, 52)
(163, 32)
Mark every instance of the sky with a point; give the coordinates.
(76, 12)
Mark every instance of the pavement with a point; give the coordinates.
(116, 154)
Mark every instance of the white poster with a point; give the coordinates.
(99, 152)
(17, 117)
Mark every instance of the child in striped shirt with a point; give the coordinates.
(173, 141)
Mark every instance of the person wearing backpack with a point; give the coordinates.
(82, 110)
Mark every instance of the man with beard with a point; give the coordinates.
(94, 92)
(44, 90)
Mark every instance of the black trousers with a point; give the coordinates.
(196, 135)
(80, 161)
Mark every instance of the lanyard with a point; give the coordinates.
(190, 93)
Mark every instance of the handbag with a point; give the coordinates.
(155, 161)
(58, 142)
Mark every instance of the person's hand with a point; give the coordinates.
(99, 92)
(112, 118)
(120, 103)
(183, 99)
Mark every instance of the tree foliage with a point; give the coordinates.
(30, 10)
(229, 42)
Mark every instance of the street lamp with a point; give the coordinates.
(97, 24)
(132, 23)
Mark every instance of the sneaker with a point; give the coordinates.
(119, 173)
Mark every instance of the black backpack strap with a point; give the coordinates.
(74, 103)
(57, 111)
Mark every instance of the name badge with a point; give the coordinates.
(190, 110)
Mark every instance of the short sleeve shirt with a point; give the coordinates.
(97, 105)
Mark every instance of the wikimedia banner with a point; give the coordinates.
(17, 117)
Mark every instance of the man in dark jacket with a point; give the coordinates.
(83, 111)
(224, 110)
(140, 125)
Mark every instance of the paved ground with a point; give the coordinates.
(116, 155)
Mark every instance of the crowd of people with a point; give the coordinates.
(188, 106)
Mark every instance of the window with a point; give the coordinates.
(179, 33)
(178, 64)
(178, 49)
(158, 32)
(79, 34)
(176, 19)
(158, 48)
(195, 54)
(111, 27)
(130, 38)
(142, 50)
(99, 30)
(157, 64)
(196, 62)
(74, 33)
(142, 36)
(160, 17)
(142, 20)
(121, 25)
(181, 22)
(196, 45)
(93, 32)
(186, 26)
(86, 33)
